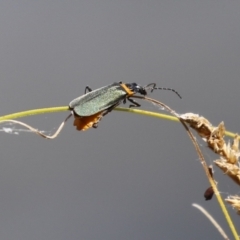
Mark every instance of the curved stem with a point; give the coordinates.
(66, 108)
(34, 112)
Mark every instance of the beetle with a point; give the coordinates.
(89, 108)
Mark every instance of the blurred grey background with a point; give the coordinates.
(134, 177)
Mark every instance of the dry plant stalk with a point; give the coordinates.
(232, 170)
(211, 219)
(235, 202)
(214, 136)
(36, 130)
(229, 153)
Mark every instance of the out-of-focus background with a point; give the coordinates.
(134, 177)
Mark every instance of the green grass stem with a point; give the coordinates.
(65, 108)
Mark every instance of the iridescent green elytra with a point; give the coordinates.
(101, 99)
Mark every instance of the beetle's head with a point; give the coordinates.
(137, 88)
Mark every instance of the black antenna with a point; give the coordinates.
(160, 88)
(170, 89)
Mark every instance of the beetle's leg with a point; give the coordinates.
(136, 104)
(87, 89)
(95, 125)
(106, 112)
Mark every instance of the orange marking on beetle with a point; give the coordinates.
(84, 123)
(128, 91)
